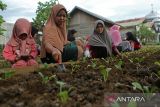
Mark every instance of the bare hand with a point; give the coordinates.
(57, 56)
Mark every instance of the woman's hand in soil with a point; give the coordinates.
(57, 55)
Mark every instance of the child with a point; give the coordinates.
(21, 49)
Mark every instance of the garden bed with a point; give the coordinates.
(85, 83)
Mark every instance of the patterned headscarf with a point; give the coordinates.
(102, 39)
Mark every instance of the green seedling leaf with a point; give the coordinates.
(115, 104)
(104, 72)
(119, 65)
(146, 89)
(45, 65)
(63, 96)
(132, 104)
(8, 74)
(137, 85)
(157, 63)
(41, 74)
(61, 84)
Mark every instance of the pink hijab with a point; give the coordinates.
(115, 34)
(21, 26)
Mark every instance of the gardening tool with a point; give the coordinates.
(61, 68)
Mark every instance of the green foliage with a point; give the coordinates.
(119, 65)
(144, 89)
(42, 13)
(75, 67)
(7, 75)
(137, 85)
(46, 79)
(104, 72)
(145, 33)
(93, 63)
(132, 104)
(115, 104)
(2, 7)
(63, 94)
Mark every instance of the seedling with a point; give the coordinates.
(104, 72)
(137, 85)
(46, 79)
(63, 95)
(157, 63)
(93, 63)
(8, 74)
(84, 59)
(74, 67)
(105, 60)
(144, 89)
(119, 65)
(132, 104)
(45, 65)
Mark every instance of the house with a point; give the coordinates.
(7, 33)
(130, 25)
(83, 21)
(151, 20)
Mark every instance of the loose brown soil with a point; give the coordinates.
(83, 80)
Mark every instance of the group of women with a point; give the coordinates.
(21, 50)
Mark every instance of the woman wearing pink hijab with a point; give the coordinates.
(21, 49)
(115, 35)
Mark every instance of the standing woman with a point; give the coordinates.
(100, 43)
(21, 48)
(55, 47)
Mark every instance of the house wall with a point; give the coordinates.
(83, 23)
(127, 29)
(7, 34)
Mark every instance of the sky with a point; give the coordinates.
(114, 10)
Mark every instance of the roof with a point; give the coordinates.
(131, 22)
(152, 15)
(91, 14)
(149, 24)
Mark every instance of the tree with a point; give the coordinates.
(42, 13)
(2, 7)
(145, 33)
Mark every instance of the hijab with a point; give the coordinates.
(115, 34)
(102, 39)
(21, 26)
(52, 33)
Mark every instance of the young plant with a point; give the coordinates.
(137, 85)
(74, 67)
(93, 63)
(104, 72)
(45, 65)
(144, 89)
(105, 60)
(8, 74)
(46, 79)
(119, 65)
(63, 94)
(157, 63)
